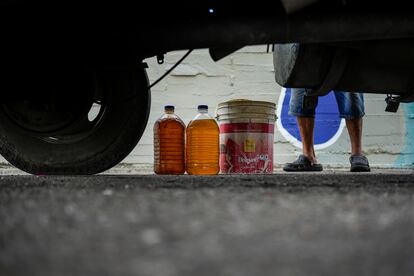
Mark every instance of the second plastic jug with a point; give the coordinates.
(202, 150)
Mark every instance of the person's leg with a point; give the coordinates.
(306, 121)
(354, 127)
(306, 126)
(351, 107)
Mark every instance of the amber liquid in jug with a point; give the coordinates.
(169, 143)
(202, 144)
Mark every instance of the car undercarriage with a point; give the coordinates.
(61, 59)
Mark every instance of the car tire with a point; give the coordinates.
(301, 65)
(93, 148)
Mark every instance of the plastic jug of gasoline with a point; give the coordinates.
(202, 144)
(169, 143)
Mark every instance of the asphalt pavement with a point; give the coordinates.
(332, 223)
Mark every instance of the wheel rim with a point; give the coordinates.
(81, 129)
(60, 122)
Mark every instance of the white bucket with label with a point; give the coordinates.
(246, 136)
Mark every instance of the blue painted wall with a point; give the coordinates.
(406, 158)
(328, 125)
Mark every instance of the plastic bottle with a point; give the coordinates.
(169, 143)
(202, 140)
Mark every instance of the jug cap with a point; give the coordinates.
(169, 108)
(202, 106)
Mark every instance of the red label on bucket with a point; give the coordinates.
(246, 148)
(247, 127)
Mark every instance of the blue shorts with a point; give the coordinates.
(350, 104)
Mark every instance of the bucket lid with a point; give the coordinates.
(242, 108)
(238, 102)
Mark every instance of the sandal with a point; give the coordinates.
(359, 163)
(302, 164)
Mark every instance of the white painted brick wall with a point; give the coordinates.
(249, 74)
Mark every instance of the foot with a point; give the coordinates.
(302, 164)
(359, 163)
